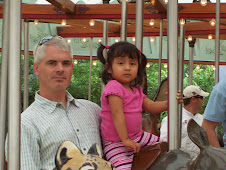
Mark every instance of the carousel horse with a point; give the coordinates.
(209, 158)
(151, 122)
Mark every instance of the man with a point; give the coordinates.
(193, 100)
(215, 112)
(55, 116)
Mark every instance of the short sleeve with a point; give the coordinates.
(141, 92)
(113, 88)
(215, 109)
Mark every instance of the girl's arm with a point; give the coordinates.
(159, 106)
(116, 105)
(154, 107)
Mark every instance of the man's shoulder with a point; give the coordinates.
(30, 112)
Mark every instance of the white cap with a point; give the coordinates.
(192, 90)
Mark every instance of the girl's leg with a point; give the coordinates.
(147, 139)
(118, 155)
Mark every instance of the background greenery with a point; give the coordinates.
(203, 77)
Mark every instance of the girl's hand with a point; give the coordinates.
(179, 98)
(131, 145)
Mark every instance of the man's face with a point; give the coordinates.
(55, 70)
(199, 101)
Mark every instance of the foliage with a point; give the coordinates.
(79, 86)
(203, 77)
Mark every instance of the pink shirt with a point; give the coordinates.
(132, 107)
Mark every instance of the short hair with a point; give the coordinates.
(56, 41)
(187, 101)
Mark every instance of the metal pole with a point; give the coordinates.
(4, 82)
(105, 42)
(191, 52)
(181, 76)
(105, 36)
(90, 67)
(124, 20)
(217, 41)
(26, 64)
(14, 83)
(172, 17)
(160, 52)
(139, 24)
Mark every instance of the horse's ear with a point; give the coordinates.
(95, 150)
(197, 134)
(161, 91)
(65, 152)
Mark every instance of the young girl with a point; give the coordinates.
(122, 101)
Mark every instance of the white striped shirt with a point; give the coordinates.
(46, 124)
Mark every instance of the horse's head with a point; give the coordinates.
(209, 157)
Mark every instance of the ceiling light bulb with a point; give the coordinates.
(189, 38)
(214, 68)
(210, 36)
(182, 21)
(99, 40)
(165, 65)
(165, 1)
(35, 22)
(147, 65)
(84, 39)
(152, 39)
(213, 22)
(75, 62)
(94, 63)
(197, 67)
(68, 40)
(133, 39)
(116, 40)
(152, 22)
(63, 22)
(203, 2)
(92, 22)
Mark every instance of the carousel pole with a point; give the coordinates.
(160, 52)
(90, 67)
(105, 37)
(191, 53)
(14, 88)
(26, 63)
(217, 41)
(124, 20)
(139, 24)
(172, 17)
(181, 74)
(4, 82)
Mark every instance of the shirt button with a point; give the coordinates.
(84, 149)
(77, 130)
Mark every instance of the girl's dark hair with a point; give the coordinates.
(122, 49)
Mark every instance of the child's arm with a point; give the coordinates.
(159, 106)
(154, 107)
(116, 105)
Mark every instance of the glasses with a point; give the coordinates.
(201, 97)
(46, 39)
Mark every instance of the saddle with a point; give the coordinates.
(148, 154)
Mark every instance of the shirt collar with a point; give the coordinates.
(189, 113)
(49, 106)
